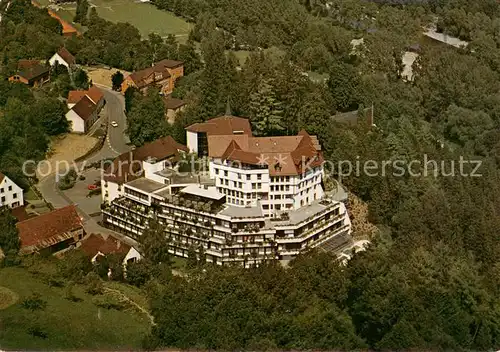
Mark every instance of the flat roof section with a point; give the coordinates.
(146, 185)
(208, 192)
(242, 212)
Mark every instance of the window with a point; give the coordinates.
(254, 186)
(3, 199)
(287, 188)
(259, 185)
(216, 171)
(1, 190)
(272, 188)
(225, 173)
(287, 178)
(259, 176)
(248, 177)
(14, 196)
(239, 176)
(10, 188)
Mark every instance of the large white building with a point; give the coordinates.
(259, 198)
(11, 195)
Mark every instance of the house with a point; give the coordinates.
(63, 57)
(172, 107)
(148, 159)
(31, 72)
(262, 198)
(11, 195)
(96, 246)
(85, 106)
(162, 74)
(93, 93)
(51, 232)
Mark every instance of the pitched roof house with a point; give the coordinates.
(85, 106)
(63, 57)
(162, 74)
(31, 72)
(127, 166)
(11, 195)
(51, 232)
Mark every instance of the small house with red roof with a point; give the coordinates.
(85, 106)
(31, 72)
(51, 232)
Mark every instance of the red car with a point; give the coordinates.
(92, 187)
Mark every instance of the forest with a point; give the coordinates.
(431, 277)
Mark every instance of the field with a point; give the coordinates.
(68, 325)
(146, 17)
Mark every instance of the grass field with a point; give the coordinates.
(146, 17)
(69, 325)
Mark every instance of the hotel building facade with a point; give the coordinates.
(252, 198)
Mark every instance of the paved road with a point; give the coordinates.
(116, 143)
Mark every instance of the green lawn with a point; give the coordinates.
(30, 195)
(146, 17)
(273, 52)
(69, 325)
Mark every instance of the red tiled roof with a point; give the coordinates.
(48, 229)
(2, 176)
(95, 243)
(66, 56)
(84, 108)
(223, 125)
(66, 27)
(75, 96)
(19, 213)
(125, 170)
(93, 93)
(138, 77)
(283, 155)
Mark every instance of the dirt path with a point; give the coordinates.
(124, 298)
(7, 297)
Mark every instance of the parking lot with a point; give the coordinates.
(79, 193)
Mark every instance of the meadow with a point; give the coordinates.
(67, 324)
(145, 16)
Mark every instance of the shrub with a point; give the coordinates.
(37, 331)
(34, 302)
(93, 284)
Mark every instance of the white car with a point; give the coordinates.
(114, 124)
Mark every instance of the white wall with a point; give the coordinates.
(59, 59)
(7, 196)
(192, 141)
(132, 254)
(76, 122)
(113, 190)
